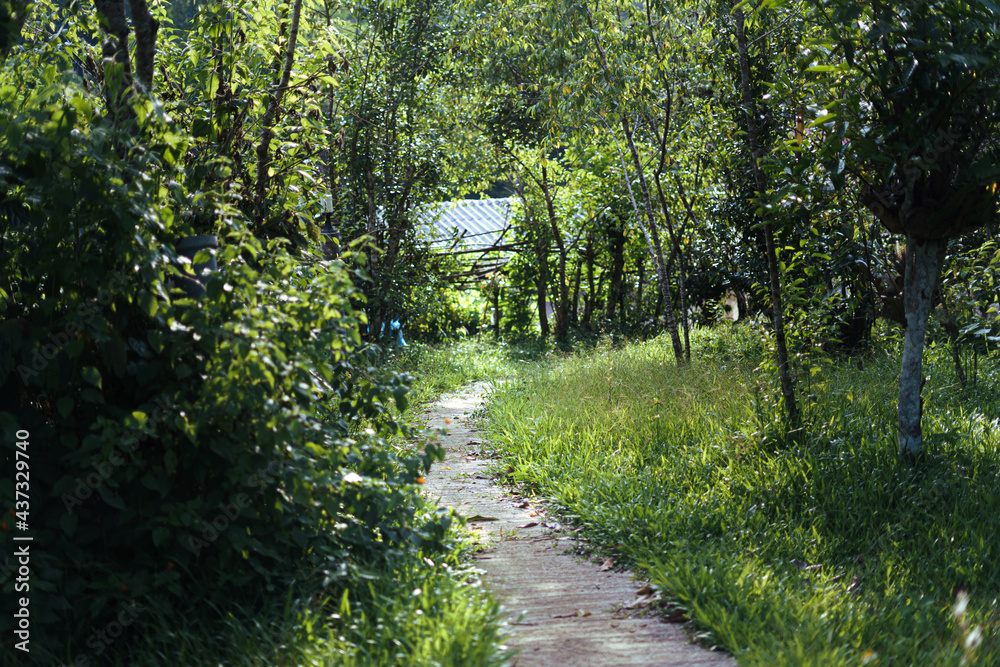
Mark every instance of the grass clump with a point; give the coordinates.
(817, 547)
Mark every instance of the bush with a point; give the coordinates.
(180, 451)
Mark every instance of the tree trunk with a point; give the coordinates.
(575, 301)
(496, 312)
(778, 317)
(146, 28)
(541, 280)
(956, 348)
(923, 266)
(600, 289)
(638, 294)
(649, 229)
(562, 292)
(114, 51)
(617, 238)
(588, 311)
(662, 272)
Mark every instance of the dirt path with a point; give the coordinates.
(562, 609)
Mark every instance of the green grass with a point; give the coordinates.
(812, 548)
(438, 369)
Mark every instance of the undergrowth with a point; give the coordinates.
(817, 547)
(423, 613)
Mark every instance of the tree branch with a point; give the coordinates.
(271, 115)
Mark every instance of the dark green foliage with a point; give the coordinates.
(181, 451)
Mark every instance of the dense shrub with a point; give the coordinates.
(181, 451)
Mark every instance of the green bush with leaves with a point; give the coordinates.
(181, 451)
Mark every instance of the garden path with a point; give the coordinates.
(560, 609)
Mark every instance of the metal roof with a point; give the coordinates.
(476, 223)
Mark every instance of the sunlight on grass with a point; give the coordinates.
(810, 548)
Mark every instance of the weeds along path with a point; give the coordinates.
(561, 609)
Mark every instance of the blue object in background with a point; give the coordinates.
(398, 328)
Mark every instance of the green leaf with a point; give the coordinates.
(65, 406)
(148, 303)
(402, 402)
(91, 395)
(160, 535)
(91, 375)
(110, 497)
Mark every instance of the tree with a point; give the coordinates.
(774, 275)
(918, 100)
(388, 141)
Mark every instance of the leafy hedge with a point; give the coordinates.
(181, 451)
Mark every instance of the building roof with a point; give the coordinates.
(475, 223)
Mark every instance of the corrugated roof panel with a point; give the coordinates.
(479, 222)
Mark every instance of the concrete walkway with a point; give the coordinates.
(562, 610)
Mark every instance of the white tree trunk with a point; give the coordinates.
(923, 266)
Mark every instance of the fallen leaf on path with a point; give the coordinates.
(533, 514)
(644, 601)
(577, 614)
(676, 616)
(480, 517)
(607, 565)
(645, 590)
(521, 505)
(529, 525)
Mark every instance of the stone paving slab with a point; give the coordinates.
(561, 609)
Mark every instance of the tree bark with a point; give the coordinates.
(778, 317)
(146, 28)
(542, 275)
(617, 239)
(923, 266)
(575, 301)
(114, 51)
(562, 305)
(956, 350)
(588, 311)
(638, 293)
